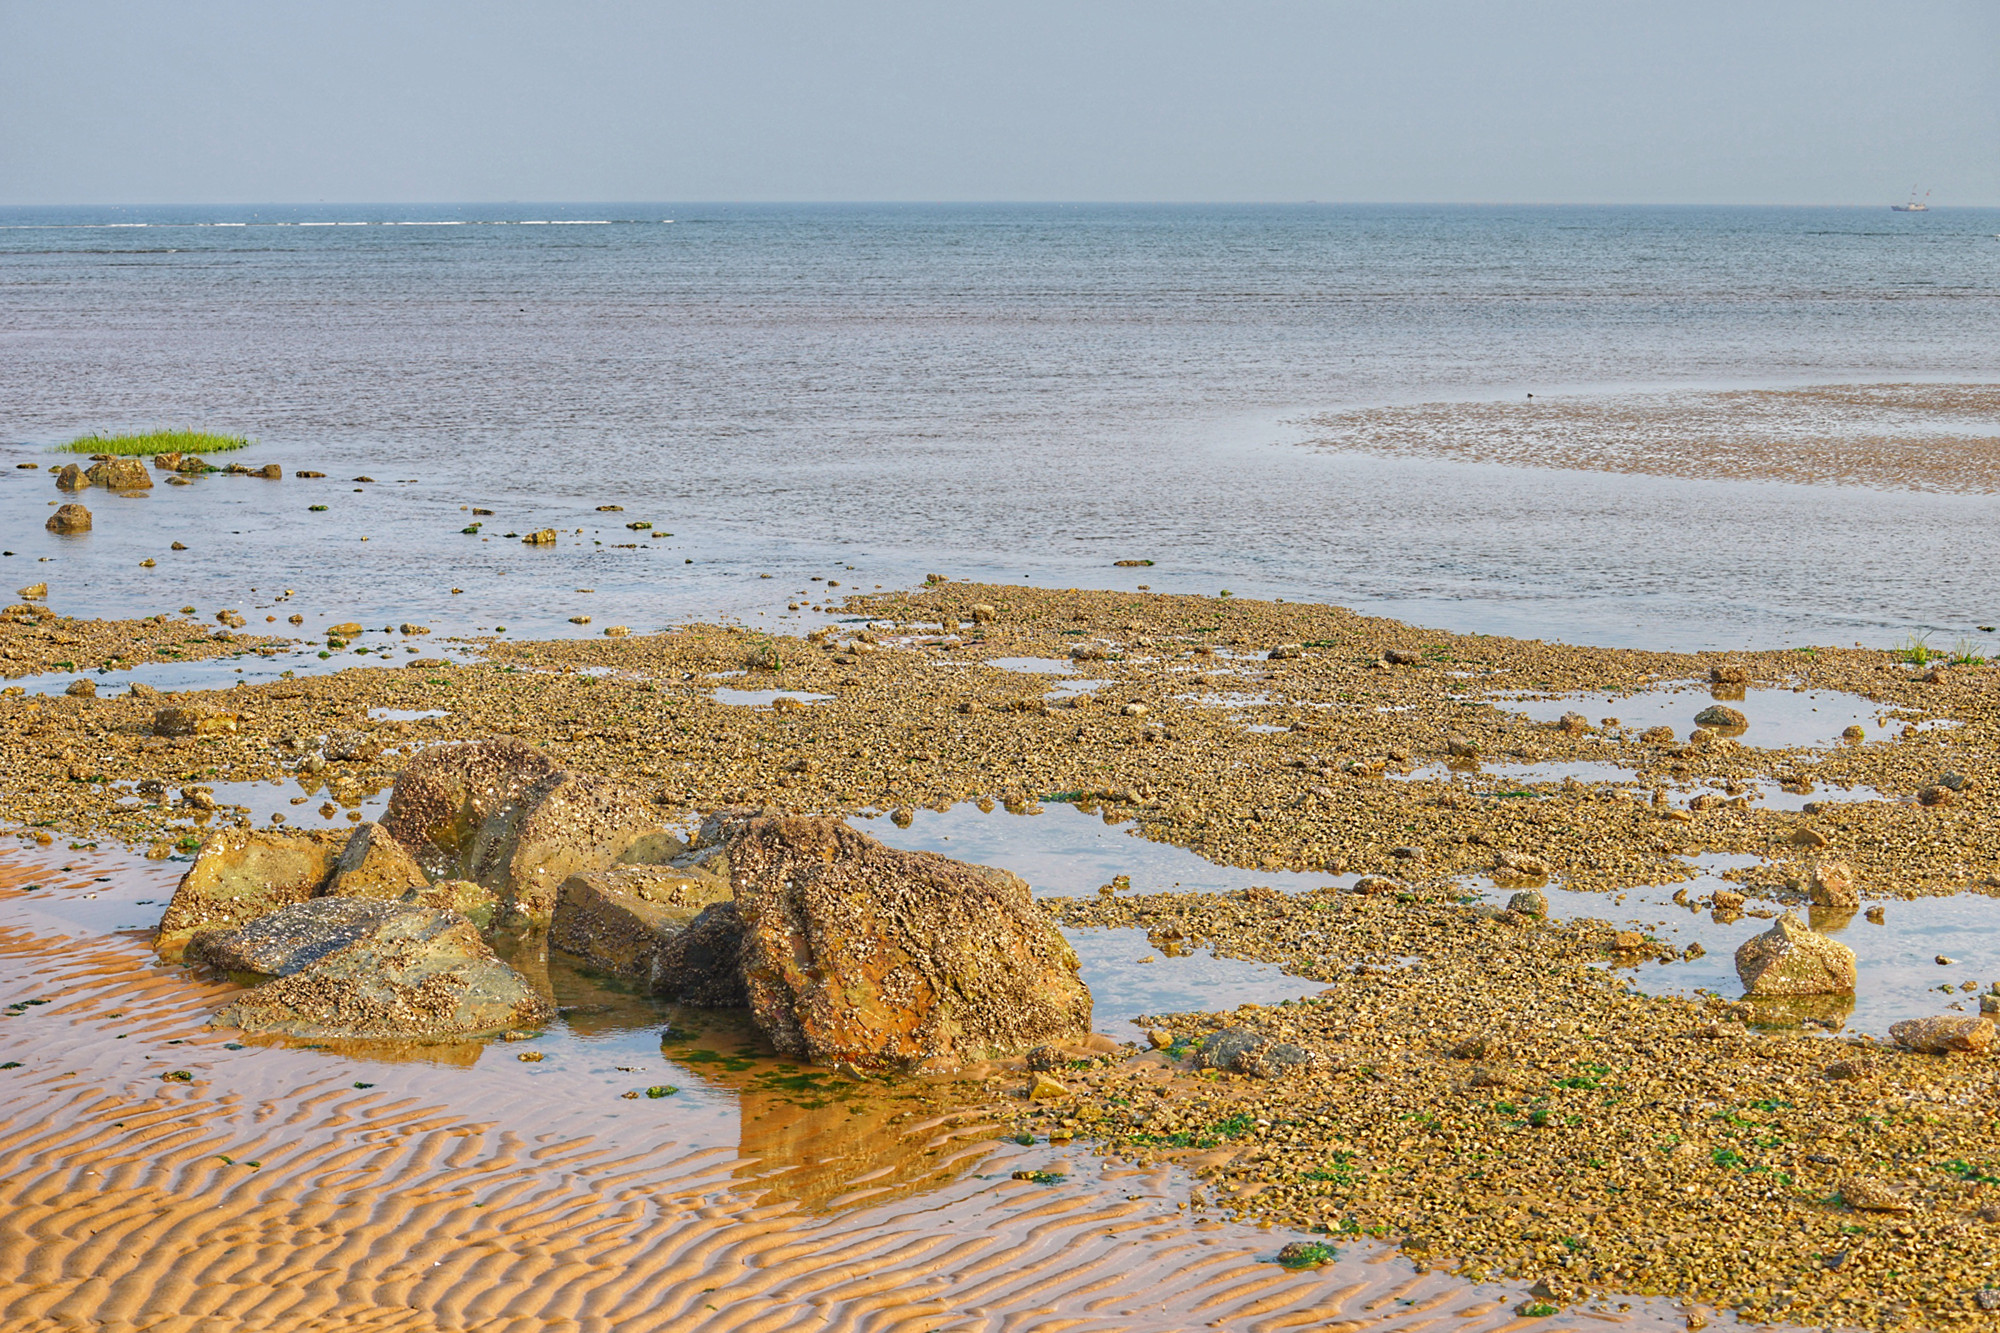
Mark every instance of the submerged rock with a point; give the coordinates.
(1723, 717)
(564, 824)
(885, 959)
(241, 874)
(1244, 1051)
(417, 973)
(619, 920)
(1793, 959)
(443, 796)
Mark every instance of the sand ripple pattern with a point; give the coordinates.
(1912, 437)
(271, 1193)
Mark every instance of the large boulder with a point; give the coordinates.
(563, 825)
(1943, 1035)
(862, 954)
(374, 865)
(416, 973)
(618, 920)
(240, 874)
(446, 792)
(120, 474)
(1793, 959)
(69, 518)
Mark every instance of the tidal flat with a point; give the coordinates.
(1500, 1097)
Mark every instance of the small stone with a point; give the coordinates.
(1865, 1194)
(1727, 900)
(1937, 1036)
(1529, 902)
(1402, 657)
(1628, 941)
(1134, 710)
(1808, 837)
(982, 614)
(34, 592)
(1574, 724)
(1159, 1038)
(1461, 747)
(1722, 716)
(545, 537)
(1936, 796)
(1729, 673)
(1046, 1089)
(1046, 1059)
(1476, 1047)
(82, 689)
(1657, 735)
(1831, 884)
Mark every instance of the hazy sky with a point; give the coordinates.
(1834, 101)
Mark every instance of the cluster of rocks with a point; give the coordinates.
(845, 951)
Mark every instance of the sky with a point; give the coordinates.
(1604, 101)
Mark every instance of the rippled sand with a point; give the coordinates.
(1916, 437)
(272, 1192)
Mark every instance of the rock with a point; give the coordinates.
(1284, 651)
(120, 474)
(1476, 1047)
(1729, 673)
(1727, 900)
(703, 965)
(374, 865)
(1243, 1051)
(473, 901)
(1377, 885)
(1865, 1194)
(188, 721)
(621, 919)
(891, 959)
(1461, 747)
(1936, 796)
(545, 537)
(352, 747)
(240, 874)
(1657, 735)
(1402, 657)
(347, 629)
(1854, 732)
(1519, 865)
(34, 592)
(1808, 837)
(1529, 902)
(983, 614)
(1046, 1089)
(270, 472)
(1792, 959)
(71, 478)
(1723, 717)
(1046, 1059)
(1134, 710)
(1575, 724)
(1937, 1036)
(1831, 884)
(418, 973)
(563, 824)
(1306, 1254)
(139, 689)
(69, 518)
(167, 462)
(192, 463)
(82, 689)
(1628, 941)
(280, 943)
(1159, 1038)
(443, 796)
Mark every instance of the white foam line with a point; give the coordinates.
(578, 222)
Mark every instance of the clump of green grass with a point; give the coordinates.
(155, 442)
(1916, 650)
(1966, 653)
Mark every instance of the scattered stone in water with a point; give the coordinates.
(1722, 716)
(1793, 959)
(69, 518)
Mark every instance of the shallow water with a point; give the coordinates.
(1777, 718)
(503, 1193)
(1899, 976)
(874, 393)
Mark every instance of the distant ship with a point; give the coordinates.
(1915, 205)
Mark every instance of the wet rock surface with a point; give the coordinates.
(374, 865)
(415, 973)
(446, 792)
(280, 943)
(562, 825)
(241, 874)
(621, 919)
(1792, 959)
(855, 953)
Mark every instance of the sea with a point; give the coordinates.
(874, 393)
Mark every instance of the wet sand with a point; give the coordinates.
(272, 1191)
(1916, 437)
